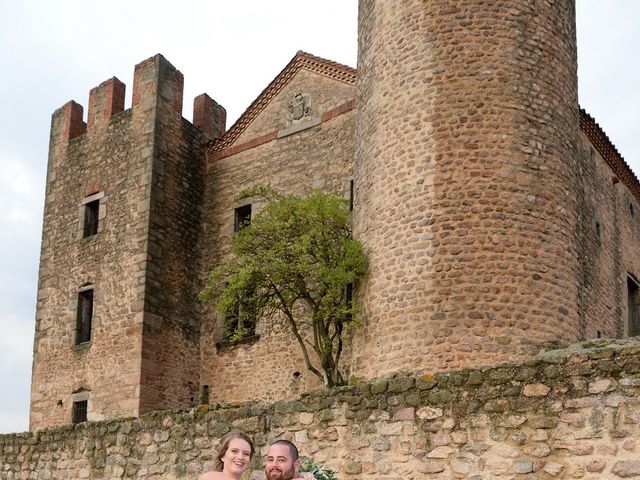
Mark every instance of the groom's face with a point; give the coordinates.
(280, 464)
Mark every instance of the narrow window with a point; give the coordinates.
(598, 229)
(631, 212)
(85, 315)
(242, 217)
(204, 398)
(633, 305)
(79, 413)
(592, 154)
(91, 210)
(348, 295)
(351, 196)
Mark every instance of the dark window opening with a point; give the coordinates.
(85, 315)
(633, 307)
(91, 211)
(242, 217)
(598, 229)
(631, 212)
(351, 196)
(348, 295)
(240, 324)
(204, 399)
(240, 321)
(79, 413)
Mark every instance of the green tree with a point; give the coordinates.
(295, 261)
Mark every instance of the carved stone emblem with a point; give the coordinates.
(299, 107)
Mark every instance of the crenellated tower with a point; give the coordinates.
(466, 181)
(115, 335)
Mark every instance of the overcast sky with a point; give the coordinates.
(52, 52)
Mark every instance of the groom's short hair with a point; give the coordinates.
(293, 450)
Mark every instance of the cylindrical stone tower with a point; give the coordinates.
(466, 181)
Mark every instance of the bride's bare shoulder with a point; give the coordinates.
(212, 476)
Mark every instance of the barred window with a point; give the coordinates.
(79, 413)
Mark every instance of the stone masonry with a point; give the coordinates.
(571, 413)
(498, 219)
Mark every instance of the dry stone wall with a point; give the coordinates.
(571, 413)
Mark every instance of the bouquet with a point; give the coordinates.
(321, 472)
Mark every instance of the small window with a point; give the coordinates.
(351, 196)
(91, 211)
(204, 398)
(79, 413)
(239, 320)
(85, 316)
(633, 307)
(631, 210)
(242, 217)
(597, 229)
(348, 295)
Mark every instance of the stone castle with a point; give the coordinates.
(498, 218)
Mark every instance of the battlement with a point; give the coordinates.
(156, 84)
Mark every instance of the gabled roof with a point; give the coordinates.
(609, 152)
(346, 74)
(334, 70)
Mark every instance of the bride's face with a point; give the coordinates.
(237, 457)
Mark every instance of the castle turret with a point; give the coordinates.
(465, 181)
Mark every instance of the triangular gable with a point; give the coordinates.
(301, 60)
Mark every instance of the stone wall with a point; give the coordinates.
(466, 183)
(571, 413)
(145, 165)
(109, 159)
(271, 366)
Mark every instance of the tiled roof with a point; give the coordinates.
(609, 152)
(337, 71)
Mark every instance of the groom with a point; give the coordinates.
(282, 462)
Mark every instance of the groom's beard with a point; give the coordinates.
(275, 473)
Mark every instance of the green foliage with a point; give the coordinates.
(293, 261)
(308, 465)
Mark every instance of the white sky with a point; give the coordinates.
(55, 51)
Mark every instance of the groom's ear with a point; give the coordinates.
(296, 466)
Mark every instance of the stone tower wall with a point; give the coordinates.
(171, 343)
(609, 239)
(466, 188)
(145, 165)
(105, 159)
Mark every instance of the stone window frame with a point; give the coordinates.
(78, 398)
(102, 213)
